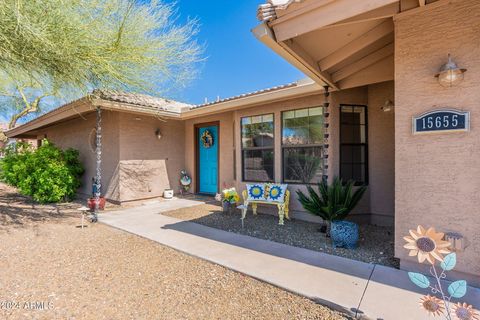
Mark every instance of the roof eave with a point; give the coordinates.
(301, 89)
(132, 108)
(81, 106)
(265, 34)
(70, 109)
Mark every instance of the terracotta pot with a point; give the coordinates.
(92, 202)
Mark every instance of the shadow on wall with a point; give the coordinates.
(113, 190)
(140, 179)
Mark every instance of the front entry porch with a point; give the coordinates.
(362, 289)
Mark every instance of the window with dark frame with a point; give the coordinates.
(354, 144)
(302, 145)
(258, 148)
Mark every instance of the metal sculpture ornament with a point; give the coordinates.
(207, 139)
(185, 181)
(427, 245)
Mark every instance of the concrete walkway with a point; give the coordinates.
(359, 289)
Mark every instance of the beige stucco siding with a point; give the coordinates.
(135, 164)
(438, 176)
(76, 133)
(148, 165)
(381, 154)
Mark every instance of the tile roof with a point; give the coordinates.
(266, 11)
(142, 100)
(282, 4)
(150, 104)
(249, 94)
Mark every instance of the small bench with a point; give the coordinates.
(267, 193)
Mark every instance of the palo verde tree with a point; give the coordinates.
(66, 48)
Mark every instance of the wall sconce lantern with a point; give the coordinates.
(450, 74)
(388, 106)
(158, 134)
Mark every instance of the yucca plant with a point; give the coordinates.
(332, 202)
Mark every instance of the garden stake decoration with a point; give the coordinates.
(428, 246)
(185, 181)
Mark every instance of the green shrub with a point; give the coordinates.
(48, 174)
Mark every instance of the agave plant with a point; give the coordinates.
(332, 202)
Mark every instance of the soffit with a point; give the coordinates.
(341, 41)
(320, 43)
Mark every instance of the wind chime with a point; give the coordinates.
(98, 176)
(326, 135)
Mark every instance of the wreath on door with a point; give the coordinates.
(207, 139)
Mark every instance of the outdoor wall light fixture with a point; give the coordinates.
(450, 74)
(387, 106)
(158, 134)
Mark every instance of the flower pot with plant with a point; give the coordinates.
(229, 198)
(332, 203)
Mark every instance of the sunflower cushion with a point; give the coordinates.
(269, 192)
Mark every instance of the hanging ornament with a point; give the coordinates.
(326, 134)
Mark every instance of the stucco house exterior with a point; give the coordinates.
(147, 141)
(371, 66)
(402, 43)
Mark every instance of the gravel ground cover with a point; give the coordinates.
(376, 244)
(48, 263)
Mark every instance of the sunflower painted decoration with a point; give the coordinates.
(432, 305)
(256, 191)
(463, 311)
(207, 139)
(428, 246)
(267, 192)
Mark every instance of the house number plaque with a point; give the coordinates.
(443, 120)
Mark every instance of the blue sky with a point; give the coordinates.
(236, 61)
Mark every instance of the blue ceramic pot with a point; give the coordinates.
(344, 234)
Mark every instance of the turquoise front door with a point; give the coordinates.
(208, 159)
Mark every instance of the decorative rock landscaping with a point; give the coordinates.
(103, 273)
(375, 244)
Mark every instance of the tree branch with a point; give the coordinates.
(24, 97)
(28, 107)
